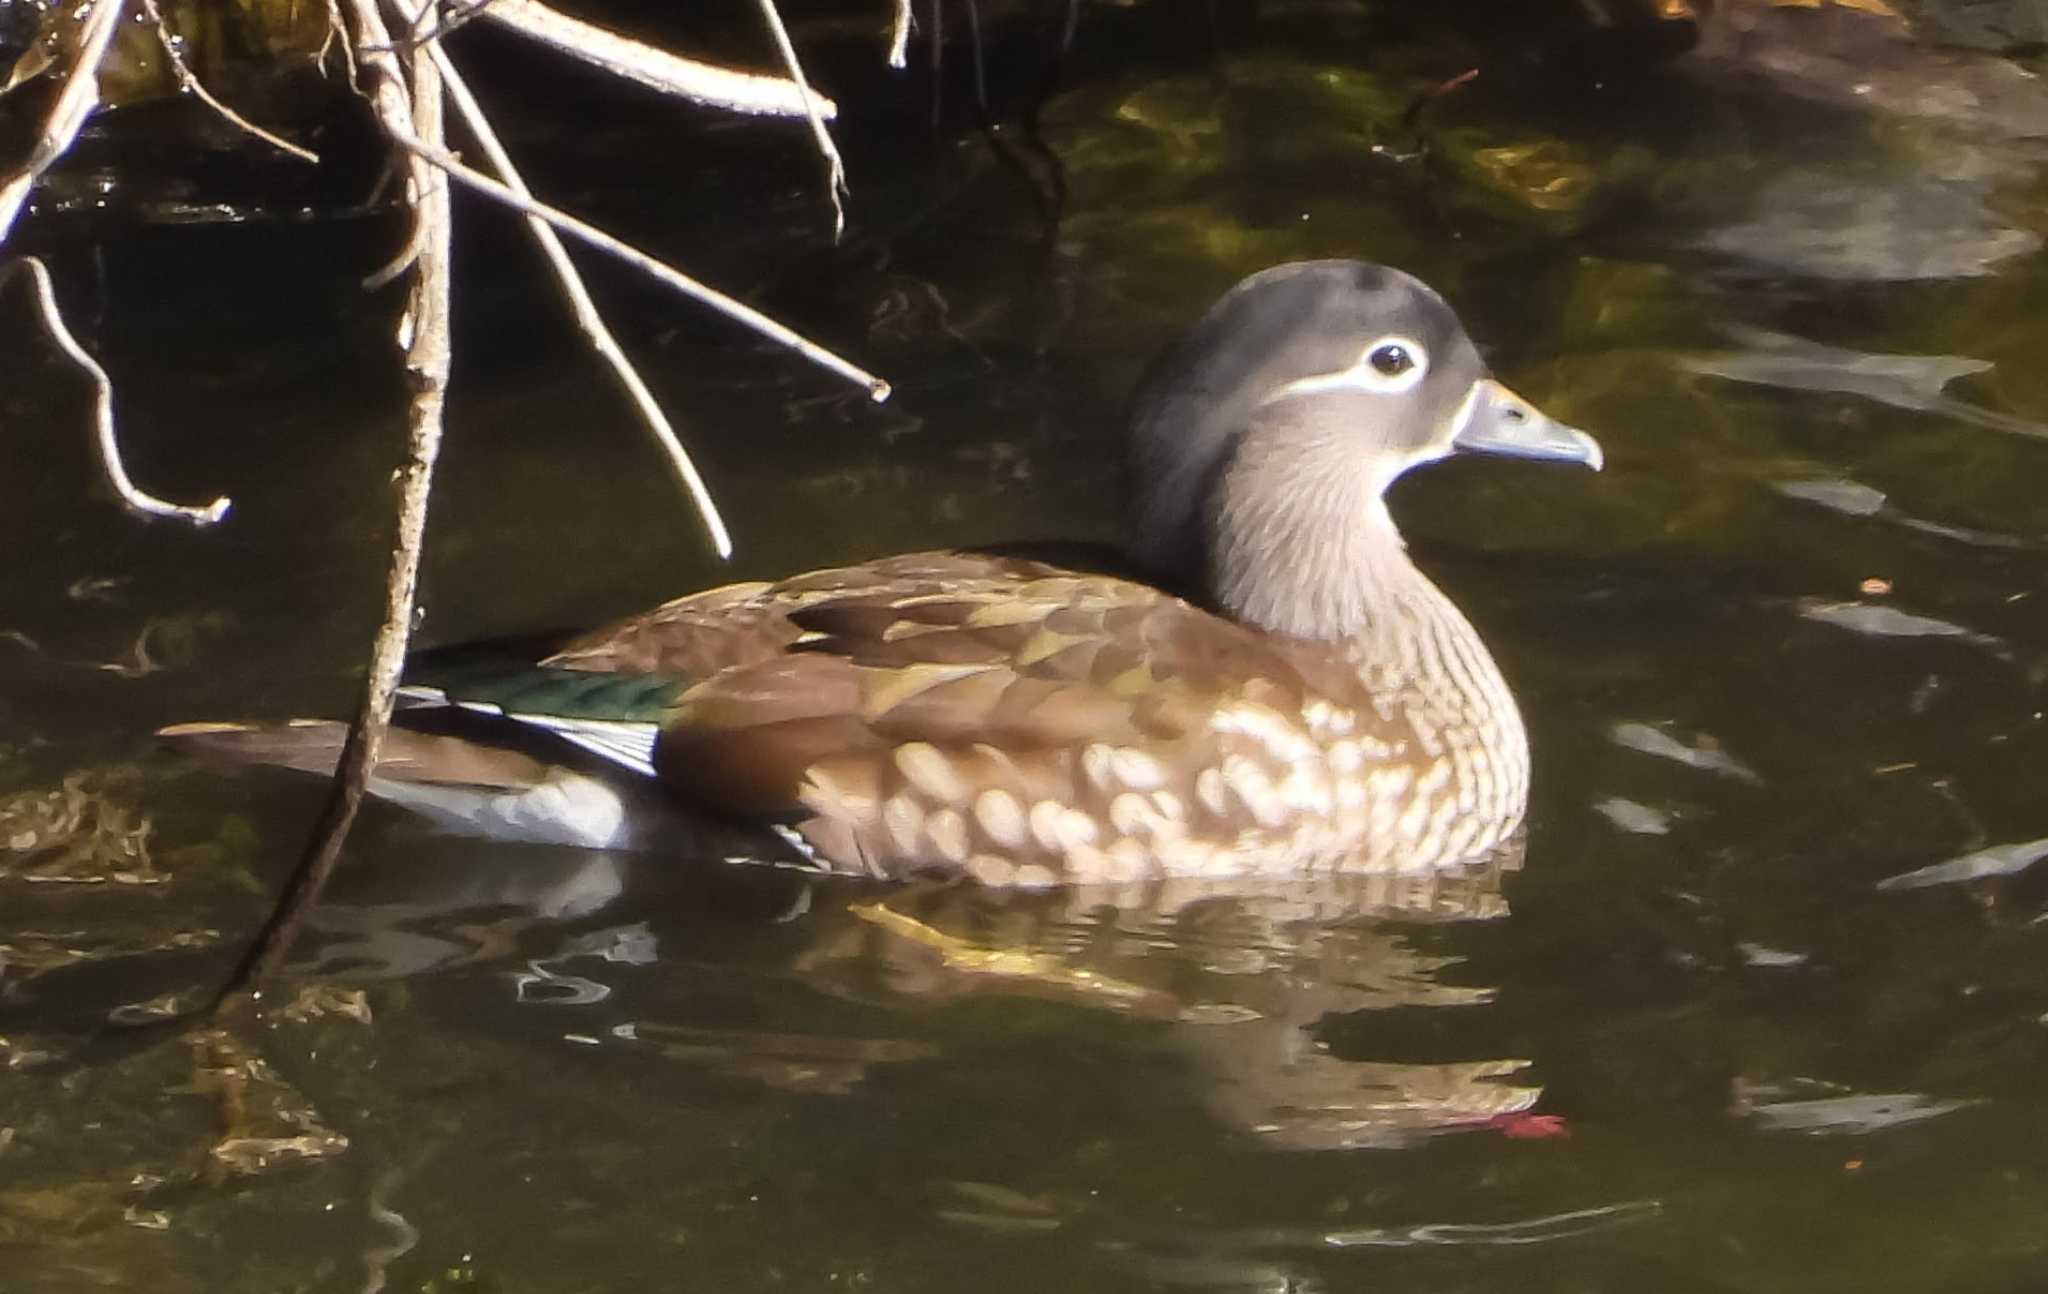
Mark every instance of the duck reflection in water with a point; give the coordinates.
(1247, 981)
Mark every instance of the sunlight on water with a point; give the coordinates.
(1764, 1007)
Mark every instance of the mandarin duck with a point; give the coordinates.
(1263, 685)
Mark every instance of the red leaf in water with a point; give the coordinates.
(1530, 1127)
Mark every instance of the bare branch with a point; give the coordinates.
(587, 316)
(402, 107)
(74, 103)
(192, 86)
(593, 236)
(699, 82)
(103, 405)
(835, 167)
(899, 36)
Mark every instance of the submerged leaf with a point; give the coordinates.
(1838, 1115)
(1889, 622)
(1636, 819)
(1914, 382)
(25, 955)
(1849, 498)
(316, 1000)
(1839, 224)
(1999, 860)
(75, 834)
(269, 1124)
(1705, 754)
(1854, 499)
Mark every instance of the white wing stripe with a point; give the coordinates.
(628, 744)
(631, 744)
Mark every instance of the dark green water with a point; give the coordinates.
(1692, 1046)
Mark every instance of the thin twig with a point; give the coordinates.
(899, 36)
(935, 46)
(980, 73)
(699, 82)
(197, 90)
(404, 107)
(587, 316)
(103, 405)
(835, 166)
(1411, 116)
(401, 260)
(74, 103)
(337, 29)
(593, 236)
(452, 17)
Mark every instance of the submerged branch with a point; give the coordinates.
(588, 319)
(835, 166)
(404, 105)
(133, 498)
(74, 103)
(705, 83)
(198, 90)
(675, 278)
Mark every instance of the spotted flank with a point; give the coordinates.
(1028, 727)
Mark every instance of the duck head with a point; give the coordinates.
(1264, 439)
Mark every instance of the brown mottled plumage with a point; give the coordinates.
(1321, 707)
(1028, 724)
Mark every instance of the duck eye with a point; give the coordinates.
(1391, 359)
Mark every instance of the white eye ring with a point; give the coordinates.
(1391, 365)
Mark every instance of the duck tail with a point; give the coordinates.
(408, 756)
(307, 745)
(460, 785)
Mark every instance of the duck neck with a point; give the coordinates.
(1306, 547)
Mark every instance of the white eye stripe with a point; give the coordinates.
(1368, 374)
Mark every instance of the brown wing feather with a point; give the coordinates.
(735, 625)
(692, 637)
